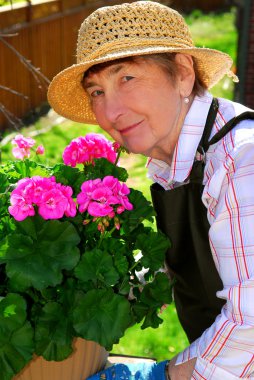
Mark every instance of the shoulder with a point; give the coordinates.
(231, 109)
(228, 155)
(242, 133)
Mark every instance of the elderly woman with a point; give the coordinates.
(140, 77)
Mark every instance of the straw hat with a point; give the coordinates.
(130, 29)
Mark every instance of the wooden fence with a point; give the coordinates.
(45, 33)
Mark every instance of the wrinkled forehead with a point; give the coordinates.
(106, 72)
(96, 69)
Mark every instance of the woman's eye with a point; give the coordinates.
(126, 78)
(96, 93)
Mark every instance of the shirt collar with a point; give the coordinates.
(186, 147)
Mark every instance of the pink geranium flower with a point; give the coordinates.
(22, 146)
(21, 153)
(123, 192)
(53, 204)
(99, 209)
(111, 182)
(20, 208)
(24, 187)
(39, 186)
(104, 198)
(23, 142)
(73, 153)
(101, 202)
(67, 192)
(53, 199)
(84, 150)
(85, 196)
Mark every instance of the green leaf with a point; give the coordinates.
(16, 353)
(124, 287)
(27, 168)
(151, 319)
(6, 226)
(102, 168)
(68, 175)
(118, 251)
(16, 336)
(153, 296)
(97, 266)
(142, 210)
(121, 263)
(3, 247)
(157, 292)
(12, 171)
(153, 248)
(3, 183)
(27, 227)
(102, 316)
(38, 260)
(11, 321)
(53, 335)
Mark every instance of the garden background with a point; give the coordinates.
(214, 30)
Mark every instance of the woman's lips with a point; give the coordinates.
(130, 128)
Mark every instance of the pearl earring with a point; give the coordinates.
(186, 100)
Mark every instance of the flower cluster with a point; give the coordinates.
(103, 199)
(83, 150)
(73, 242)
(52, 199)
(23, 145)
(100, 198)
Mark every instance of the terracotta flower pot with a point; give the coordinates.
(88, 358)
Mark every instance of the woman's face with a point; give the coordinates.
(138, 105)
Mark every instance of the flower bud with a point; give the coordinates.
(111, 214)
(117, 223)
(105, 222)
(40, 149)
(116, 146)
(101, 227)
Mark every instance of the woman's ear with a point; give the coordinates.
(186, 74)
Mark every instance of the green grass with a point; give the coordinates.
(214, 31)
(161, 343)
(8, 2)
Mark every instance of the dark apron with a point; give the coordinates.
(182, 216)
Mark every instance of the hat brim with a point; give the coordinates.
(69, 99)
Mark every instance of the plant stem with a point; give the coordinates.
(105, 234)
(117, 157)
(134, 265)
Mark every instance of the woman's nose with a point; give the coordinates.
(114, 107)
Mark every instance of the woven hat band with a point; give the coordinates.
(130, 44)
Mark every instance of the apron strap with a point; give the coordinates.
(229, 126)
(197, 171)
(212, 113)
(205, 142)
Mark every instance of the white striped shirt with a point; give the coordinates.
(225, 351)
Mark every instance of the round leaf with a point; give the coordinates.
(102, 316)
(38, 260)
(97, 266)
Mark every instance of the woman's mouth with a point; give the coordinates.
(130, 128)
